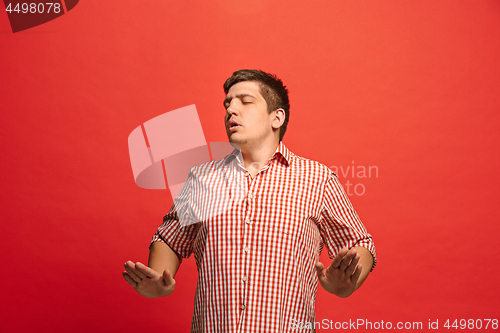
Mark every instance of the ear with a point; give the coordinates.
(278, 118)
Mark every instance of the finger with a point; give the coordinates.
(338, 258)
(129, 279)
(347, 259)
(132, 271)
(320, 268)
(357, 274)
(145, 271)
(138, 271)
(352, 266)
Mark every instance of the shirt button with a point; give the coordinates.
(246, 249)
(244, 278)
(250, 196)
(247, 221)
(243, 306)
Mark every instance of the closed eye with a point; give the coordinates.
(244, 98)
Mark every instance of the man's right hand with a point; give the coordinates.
(147, 281)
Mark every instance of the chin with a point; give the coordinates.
(235, 141)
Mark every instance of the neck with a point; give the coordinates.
(255, 158)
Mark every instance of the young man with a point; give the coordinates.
(258, 257)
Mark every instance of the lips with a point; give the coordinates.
(232, 124)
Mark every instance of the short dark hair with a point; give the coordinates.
(272, 90)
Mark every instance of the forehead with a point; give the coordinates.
(245, 87)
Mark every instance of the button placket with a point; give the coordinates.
(246, 235)
(245, 256)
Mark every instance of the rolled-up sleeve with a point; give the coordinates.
(340, 225)
(178, 229)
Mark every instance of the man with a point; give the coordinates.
(258, 257)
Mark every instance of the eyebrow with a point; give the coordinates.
(227, 100)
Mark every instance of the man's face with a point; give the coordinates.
(247, 119)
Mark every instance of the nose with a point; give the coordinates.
(232, 110)
(233, 106)
(229, 113)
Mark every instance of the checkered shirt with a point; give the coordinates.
(256, 256)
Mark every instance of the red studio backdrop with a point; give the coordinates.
(407, 91)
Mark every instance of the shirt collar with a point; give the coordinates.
(281, 154)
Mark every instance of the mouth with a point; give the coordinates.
(232, 125)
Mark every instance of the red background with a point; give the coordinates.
(408, 86)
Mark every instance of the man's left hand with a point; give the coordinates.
(341, 277)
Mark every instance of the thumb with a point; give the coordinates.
(319, 268)
(168, 277)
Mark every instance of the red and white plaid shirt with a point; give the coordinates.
(256, 256)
